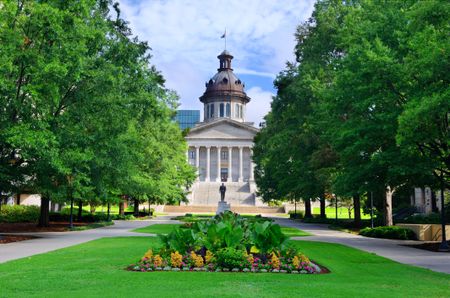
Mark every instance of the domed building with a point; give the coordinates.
(220, 147)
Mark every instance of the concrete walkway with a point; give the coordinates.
(391, 249)
(50, 241)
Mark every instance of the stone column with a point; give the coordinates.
(252, 166)
(218, 164)
(241, 177)
(197, 161)
(208, 149)
(230, 164)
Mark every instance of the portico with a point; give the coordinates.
(222, 163)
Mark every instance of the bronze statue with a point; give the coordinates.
(222, 190)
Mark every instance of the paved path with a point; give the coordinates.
(50, 241)
(391, 249)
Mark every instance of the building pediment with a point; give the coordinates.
(222, 129)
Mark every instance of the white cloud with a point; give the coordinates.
(185, 38)
(259, 105)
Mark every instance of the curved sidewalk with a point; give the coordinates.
(49, 241)
(391, 249)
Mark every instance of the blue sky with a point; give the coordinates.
(185, 41)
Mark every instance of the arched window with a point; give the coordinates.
(228, 110)
(221, 110)
(236, 110)
(212, 110)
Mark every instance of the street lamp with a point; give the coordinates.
(371, 209)
(444, 246)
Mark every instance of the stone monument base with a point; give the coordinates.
(222, 207)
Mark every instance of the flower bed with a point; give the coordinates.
(227, 243)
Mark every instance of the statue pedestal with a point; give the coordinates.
(222, 207)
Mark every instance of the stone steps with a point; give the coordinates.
(238, 193)
(212, 209)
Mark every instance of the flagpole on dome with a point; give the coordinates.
(224, 35)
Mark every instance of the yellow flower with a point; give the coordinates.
(157, 261)
(176, 259)
(304, 258)
(254, 249)
(296, 262)
(198, 260)
(275, 261)
(209, 256)
(250, 258)
(148, 255)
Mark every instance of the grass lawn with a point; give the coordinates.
(95, 269)
(342, 213)
(294, 232)
(157, 229)
(167, 228)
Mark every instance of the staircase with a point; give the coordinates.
(237, 194)
(212, 209)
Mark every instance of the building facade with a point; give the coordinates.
(220, 147)
(187, 118)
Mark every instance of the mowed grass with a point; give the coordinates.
(157, 229)
(96, 269)
(342, 213)
(167, 228)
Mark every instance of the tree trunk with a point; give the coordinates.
(43, 217)
(388, 221)
(136, 207)
(121, 208)
(18, 199)
(308, 208)
(357, 208)
(80, 211)
(323, 214)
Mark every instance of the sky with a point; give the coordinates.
(185, 41)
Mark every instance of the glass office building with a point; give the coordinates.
(187, 118)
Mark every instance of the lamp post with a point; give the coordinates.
(444, 246)
(69, 182)
(371, 209)
(336, 204)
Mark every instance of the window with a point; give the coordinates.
(211, 110)
(192, 154)
(236, 111)
(222, 110)
(228, 110)
(207, 111)
(241, 111)
(224, 155)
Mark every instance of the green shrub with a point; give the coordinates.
(296, 215)
(231, 258)
(389, 233)
(19, 213)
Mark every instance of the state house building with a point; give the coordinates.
(220, 147)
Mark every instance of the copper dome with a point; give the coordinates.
(224, 83)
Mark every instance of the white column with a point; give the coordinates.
(208, 149)
(218, 164)
(197, 161)
(252, 166)
(230, 164)
(241, 177)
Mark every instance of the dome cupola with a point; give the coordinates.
(224, 96)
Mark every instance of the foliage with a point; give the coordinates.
(19, 213)
(365, 107)
(392, 232)
(84, 114)
(230, 257)
(226, 241)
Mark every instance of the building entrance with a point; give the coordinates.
(223, 174)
